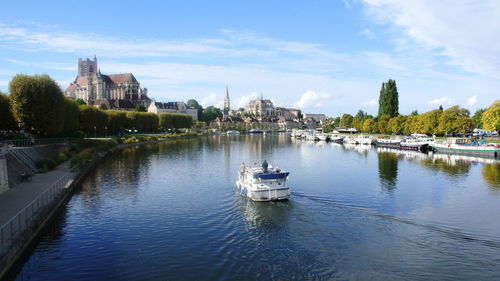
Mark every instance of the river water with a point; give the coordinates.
(170, 211)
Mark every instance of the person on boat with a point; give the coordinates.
(242, 168)
(264, 166)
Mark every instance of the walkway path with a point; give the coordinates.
(21, 195)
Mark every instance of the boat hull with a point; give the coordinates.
(264, 192)
(467, 150)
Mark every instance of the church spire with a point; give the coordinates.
(227, 103)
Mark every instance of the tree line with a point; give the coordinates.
(37, 105)
(453, 120)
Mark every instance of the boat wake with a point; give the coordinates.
(451, 232)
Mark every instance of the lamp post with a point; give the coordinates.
(106, 130)
(95, 132)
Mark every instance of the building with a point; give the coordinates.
(261, 108)
(91, 86)
(173, 107)
(288, 113)
(227, 104)
(315, 117)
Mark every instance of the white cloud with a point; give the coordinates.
(368, 33)
(467, 32)
(4, 82)
(311, 99)
(471, 101)
(371, 102)
(243, 101)
(441, 101)
(211, 99)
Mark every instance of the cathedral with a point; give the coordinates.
(113, 90)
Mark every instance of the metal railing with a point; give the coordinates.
(15, 231)
(28, 142)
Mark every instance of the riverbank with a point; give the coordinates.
(26, 209)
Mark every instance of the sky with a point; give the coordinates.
(326, 56)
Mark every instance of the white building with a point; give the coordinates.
(173, 107)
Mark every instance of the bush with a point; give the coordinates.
(59, 157)
(46, 164)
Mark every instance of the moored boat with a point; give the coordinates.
(232, 133)
(467, 146)
(263, 184)
(336, 138)
(386, 142)
(364, 139)
(414, 144)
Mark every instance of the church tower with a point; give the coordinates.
(227, 105)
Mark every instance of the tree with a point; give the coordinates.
(414, 112)
(71, 117)
(476, 118)
(382, 123)
(103, 106)
(92, 120)
(428, 122)
(79, 102)
(7, 121)
(139, 108)
(210, 113)
(194, 104)
(454, 120)
(369, 125)
(361, 115)
(388, 99)
(36, 102)
(491, 117)
(396, 124)
(410, 124)
(346, 120)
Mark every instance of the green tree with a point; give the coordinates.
(92, 120)
(396, 124)
(491, 117)
(140, 108)
(476, 118)
(103, 106)
(210, 113)
(79, 102)
(36, 102)
(388, 99)
(369, 125)
(454, 120)
(7, 121)
(410, 124)
(428, 122)
(357, 123)
(194, 104)
(382, 123)
(116, 121)
(71, 117)
(346, 120)
(414, 112)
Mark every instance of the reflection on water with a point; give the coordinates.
(491, 174)
(170, 211)
(388, 170)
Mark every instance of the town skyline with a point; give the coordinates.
(332, 63)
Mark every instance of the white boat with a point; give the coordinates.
(336, 138)
(414, 144)
(321, 136)
(350, 140)
(260, 185)
(466, 146)
(388, 142)
(296, 133)
(312, 137)
(232, 133)
(364, 139)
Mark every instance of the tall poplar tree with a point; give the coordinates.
(389, 99)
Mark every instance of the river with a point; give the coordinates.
(170, 211)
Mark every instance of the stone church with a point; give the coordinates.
(116, 91)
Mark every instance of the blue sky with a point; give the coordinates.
(321, 56)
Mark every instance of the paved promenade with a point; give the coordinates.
(20, 195)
